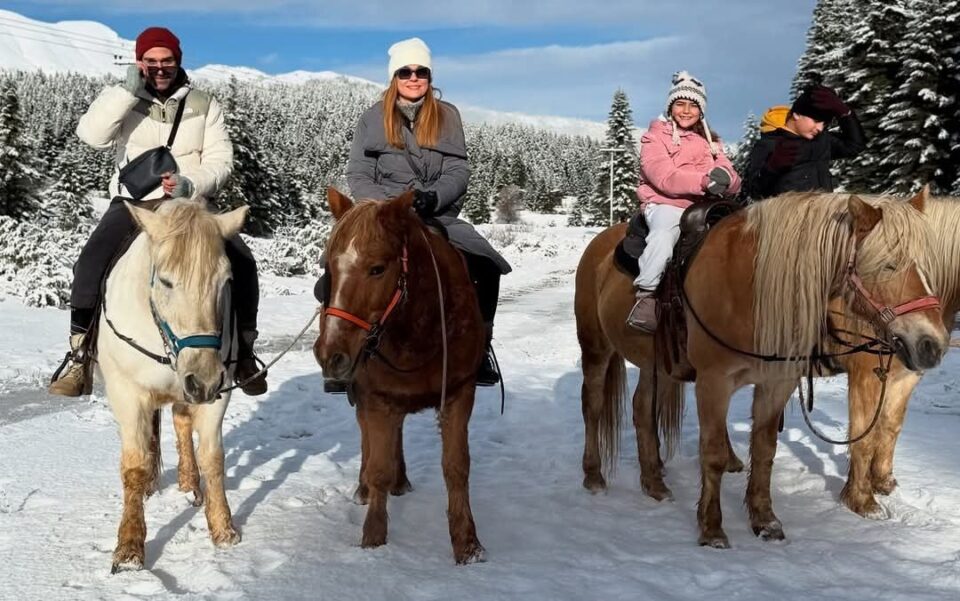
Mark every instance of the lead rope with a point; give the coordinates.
(443, 323)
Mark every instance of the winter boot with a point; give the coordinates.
(643, 315)
(488, 374)
(76, 380)
(247, 366)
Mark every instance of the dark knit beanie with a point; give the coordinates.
(803, 105)
(158, 37)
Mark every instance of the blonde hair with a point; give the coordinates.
(429, 119)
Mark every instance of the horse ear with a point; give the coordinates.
(404, 202)
(339, 203)
(396, 213)
(865, 216)
(920, 200)
(231, 222)
(148, 221)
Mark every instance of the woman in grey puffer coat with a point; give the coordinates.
(418, 144)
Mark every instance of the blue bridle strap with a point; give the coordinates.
(195, 341)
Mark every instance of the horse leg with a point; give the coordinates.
(361, 496)
(456, 472)
(402, 484)
(208, 420)
(863, 394)
(713, 401)
(648, 443)
(898, 394)
(594, 365)
(136, 472)
(734, 463)
(379, 475)
(188, 474)
(769, 400)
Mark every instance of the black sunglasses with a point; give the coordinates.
(407, 72)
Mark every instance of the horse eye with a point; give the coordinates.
(165, 282)
(377, 270)
(890, 267)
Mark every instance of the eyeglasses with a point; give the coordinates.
(407, 72)
(165, 63)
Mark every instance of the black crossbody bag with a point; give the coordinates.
(143, 174)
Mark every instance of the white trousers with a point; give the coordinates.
(664, 223)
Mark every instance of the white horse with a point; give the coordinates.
(160, 343)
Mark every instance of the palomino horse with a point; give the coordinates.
(404, 330)
(160, 343)
(793, 250)
(871, 459)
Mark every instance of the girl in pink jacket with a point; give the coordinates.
(681, 162)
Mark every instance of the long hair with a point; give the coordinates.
(943, 215)
(429, 119)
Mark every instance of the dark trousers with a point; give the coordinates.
(107, 238)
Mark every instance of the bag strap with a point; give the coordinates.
(176, 121)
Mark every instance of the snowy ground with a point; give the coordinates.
(293, 458)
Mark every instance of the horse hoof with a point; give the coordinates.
(885, 486)
(594, 483)
(770, 531)
(400, 489)
(474, 553)
(657, 490)
(865, 506)
(127, 558)
(227, 538)
(197, 497)
(361, 496)
(716, 541)
(371, 541)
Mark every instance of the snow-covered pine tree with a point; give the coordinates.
(914, 129)
(828, 36)
(625, 167)
(951, 90)
(19, 179)
(66, 203)
(751, 135)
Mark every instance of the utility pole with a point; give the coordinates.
(611, 151)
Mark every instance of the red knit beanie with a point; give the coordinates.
(158, 37)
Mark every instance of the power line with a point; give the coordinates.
(45, 29)
(71, 45)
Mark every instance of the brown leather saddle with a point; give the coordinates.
(670, 339)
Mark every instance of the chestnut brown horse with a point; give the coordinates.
(761, 283)
(871, 459)
(403, 330)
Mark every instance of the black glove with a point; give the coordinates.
(425, 203)
(827, 100)
(784, 155)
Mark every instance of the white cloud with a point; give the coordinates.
(268, 59)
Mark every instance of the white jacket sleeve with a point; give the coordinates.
(216, 155)
(100, 125)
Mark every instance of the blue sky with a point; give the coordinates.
(554, 57)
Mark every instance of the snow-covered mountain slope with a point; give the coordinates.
(92, 48)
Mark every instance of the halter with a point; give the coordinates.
(375, 329)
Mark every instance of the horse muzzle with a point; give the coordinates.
(923, 353)
(196, 392)
(337, 367)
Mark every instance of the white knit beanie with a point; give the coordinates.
(408, 52)
(688, 87)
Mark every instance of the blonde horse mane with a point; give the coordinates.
(803, 245)
(191, 245)
(943, 214)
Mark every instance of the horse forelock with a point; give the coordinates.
(943, 216)
(191, 246)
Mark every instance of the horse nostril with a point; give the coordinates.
(928, 351)
(191, 386)
(338, 366)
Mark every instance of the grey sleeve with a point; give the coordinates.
(362, 168)
(455, 171)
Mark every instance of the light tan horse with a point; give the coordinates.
(774, 265)
(160, 343)
(871, 459)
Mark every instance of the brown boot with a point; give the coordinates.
(76, 380)
(247, 367)
(643, 315)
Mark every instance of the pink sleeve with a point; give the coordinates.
(658, 169)
(735, 181)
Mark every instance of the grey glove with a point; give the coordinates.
(718, 180)
(134, 82)
(182, 187)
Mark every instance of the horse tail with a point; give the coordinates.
(669, 406)
(614, 399)
(157, 466)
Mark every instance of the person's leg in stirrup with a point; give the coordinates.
(246, 298)
(486, 279)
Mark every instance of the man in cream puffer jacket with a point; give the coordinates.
(133, 118)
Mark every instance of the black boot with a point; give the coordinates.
(489, 373)
(251, 382)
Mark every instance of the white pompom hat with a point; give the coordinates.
(688, 87)
(408, 52)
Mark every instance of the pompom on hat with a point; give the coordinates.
(158, 37)
(412, 51)
(688, 87)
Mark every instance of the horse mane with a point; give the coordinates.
(192, 245)
(358, 221)
(943, 214)
(803, 245)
